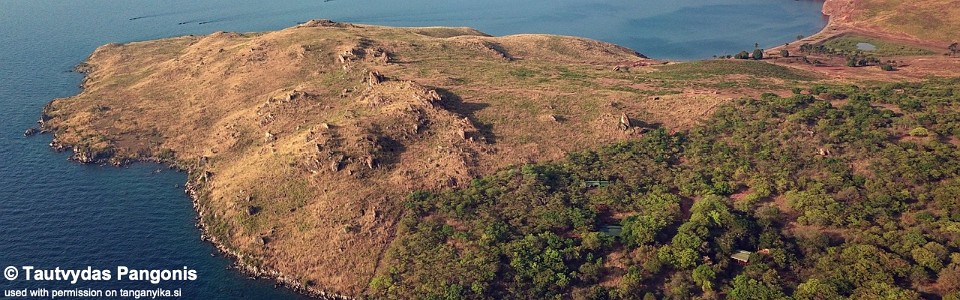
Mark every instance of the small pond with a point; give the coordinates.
(866, 46)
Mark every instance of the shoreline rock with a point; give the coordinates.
(254, 272)
(191, 189)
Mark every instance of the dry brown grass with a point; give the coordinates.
(929, 20)
(311, 157)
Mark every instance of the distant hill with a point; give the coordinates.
(934, 21)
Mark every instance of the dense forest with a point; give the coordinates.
(833, 192)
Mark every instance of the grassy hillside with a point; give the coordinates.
(302, 144)
(931, 20)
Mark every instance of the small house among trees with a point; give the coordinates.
(596, 183)
(742, 257)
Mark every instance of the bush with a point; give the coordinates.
(784, 53)
(852, 62)
(919, 132)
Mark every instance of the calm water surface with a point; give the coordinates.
(54, 213)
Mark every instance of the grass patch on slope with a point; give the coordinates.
(848, 43)
(714, 68)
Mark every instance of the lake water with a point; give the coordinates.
(54, 213)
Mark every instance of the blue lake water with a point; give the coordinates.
(54, 213)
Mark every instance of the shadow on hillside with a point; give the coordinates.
(453, 102)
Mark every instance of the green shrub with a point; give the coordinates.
(919, 132)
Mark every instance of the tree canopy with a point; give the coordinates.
(836, 199)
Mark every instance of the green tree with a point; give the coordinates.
(926, 257)
(538, 261)
(816, 207)
(641, 229)
(758, 54)
(750, 289)
(858, 264)
(919, 132)
(815, 289)
(880, 290)
(784, 53)
(742, 55)
(851, 61)
(660, 211)
(704, 275)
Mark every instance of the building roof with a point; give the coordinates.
(741, 255)
(612, 230)
(596, 183)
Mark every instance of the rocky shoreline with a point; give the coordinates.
(191, 188)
